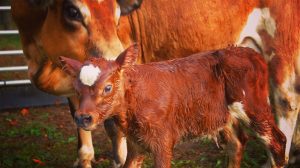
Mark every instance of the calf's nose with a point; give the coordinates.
(84, 120)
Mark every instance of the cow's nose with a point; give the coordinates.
(84, 120)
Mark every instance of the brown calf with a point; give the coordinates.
(156, 104)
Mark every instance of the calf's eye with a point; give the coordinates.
(107, 89)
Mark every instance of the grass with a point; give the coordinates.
(46, 137)
(27, 142)
(9, 42)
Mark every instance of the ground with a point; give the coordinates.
(46, 137)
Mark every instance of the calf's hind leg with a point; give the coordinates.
(274, 140)
(134, 158)
(234, 145)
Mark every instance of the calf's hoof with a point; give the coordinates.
(116, 165)
(82, 164)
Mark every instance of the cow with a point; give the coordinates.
(82, 28)
(156, 104)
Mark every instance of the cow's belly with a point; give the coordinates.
(180, 30)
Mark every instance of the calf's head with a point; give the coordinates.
(99, 84)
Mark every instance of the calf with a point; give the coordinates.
(156, 104)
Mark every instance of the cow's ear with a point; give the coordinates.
(70, 66)
(41, 3)
(128, 57)
(128, 6)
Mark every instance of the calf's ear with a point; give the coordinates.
(128, 6)
(128, 57)
(70, 66)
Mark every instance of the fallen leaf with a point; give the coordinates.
(39, 162)
(24, 112)
(13, 122)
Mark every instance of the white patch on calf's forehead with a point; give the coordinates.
(89, 74)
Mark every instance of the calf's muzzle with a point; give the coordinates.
(84, 120)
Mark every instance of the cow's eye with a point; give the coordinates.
(72, 13)
(107, 89)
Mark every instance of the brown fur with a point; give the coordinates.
(156, 104)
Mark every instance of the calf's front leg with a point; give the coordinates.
(162, 149)
(85, 144)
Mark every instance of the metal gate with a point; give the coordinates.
(20, 93)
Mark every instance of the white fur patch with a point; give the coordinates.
(269, 22)
(259, 19)
(267, 139)
(287, 126)
(86, 153)
(250, 30)
(89, 74)
(123, 150)
(236, 109)
(244, 94)
(117, 14)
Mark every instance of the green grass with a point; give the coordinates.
(9, 42)
(34, 139)
(49, 135)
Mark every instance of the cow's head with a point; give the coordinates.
(99, 84)
(75, 28)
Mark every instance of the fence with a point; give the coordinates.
(11, 53)
(20, 93)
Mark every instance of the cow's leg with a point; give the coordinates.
(286, 105)
(85, 144)
(134, 159)
(118, 140)
(234, 146)
(287, 126)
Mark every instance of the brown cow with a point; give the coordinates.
(156, 104)
(80, 28)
